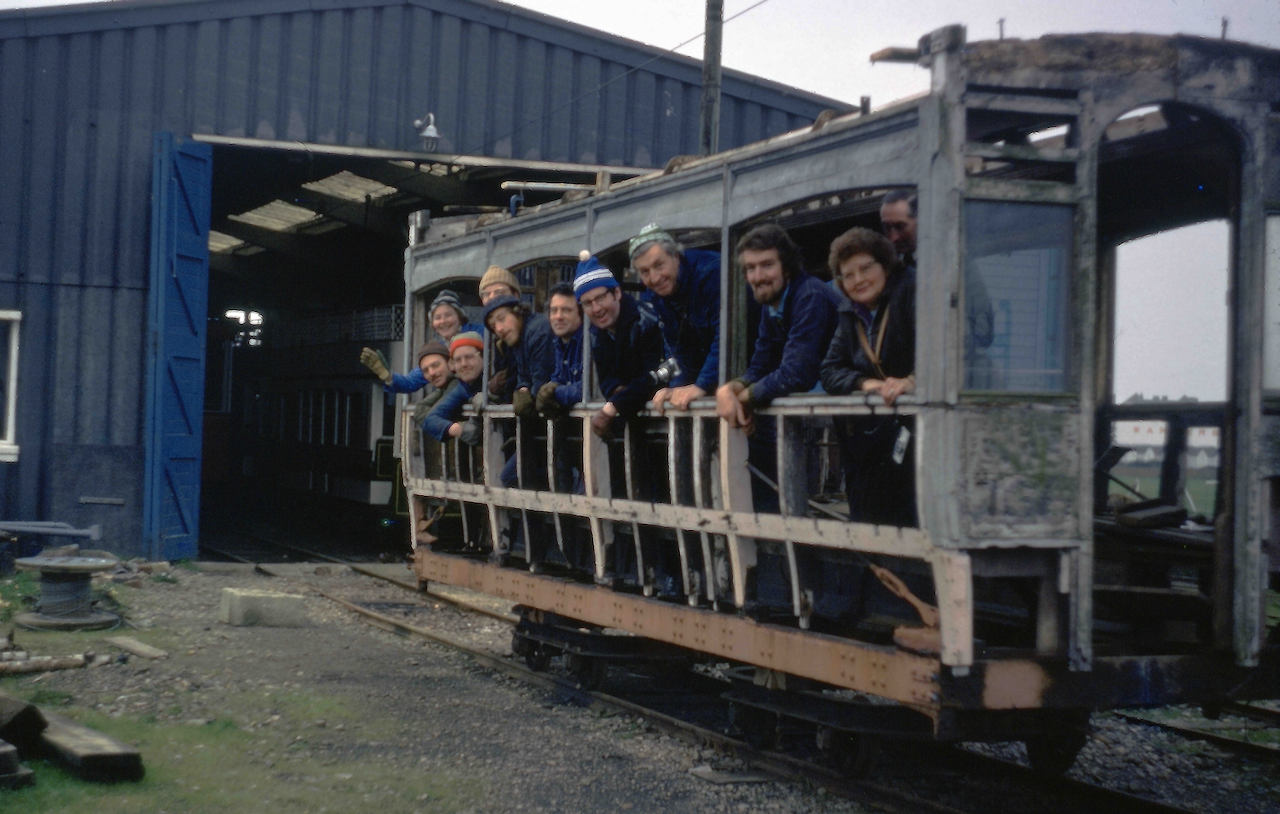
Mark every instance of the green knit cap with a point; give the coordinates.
(648, 234)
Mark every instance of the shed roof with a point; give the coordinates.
(120, 14)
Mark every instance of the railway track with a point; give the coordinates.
(1239, 746)
(1060, 794)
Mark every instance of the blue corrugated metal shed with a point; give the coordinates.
(84, 87)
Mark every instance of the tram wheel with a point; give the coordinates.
(1056, 752)
(854, 754)
(589, 672)
(538, 660)
(759, 726)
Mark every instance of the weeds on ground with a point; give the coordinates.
(219, 766)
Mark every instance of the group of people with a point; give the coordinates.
(855, 333)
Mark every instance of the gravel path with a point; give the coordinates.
(377, 698)
(526, 750)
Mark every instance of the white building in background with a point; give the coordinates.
(1147, 440)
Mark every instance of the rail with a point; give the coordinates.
(670, 503)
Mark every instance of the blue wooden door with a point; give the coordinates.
(179, 301)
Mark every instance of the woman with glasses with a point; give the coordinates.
(874, 351)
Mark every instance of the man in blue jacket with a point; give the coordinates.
(684, 290)
(626, 345)
(564, 390)
(467, 360)
(796, 325)
(529, 341)
(627, 349)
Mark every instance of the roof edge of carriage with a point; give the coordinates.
(1012, 65)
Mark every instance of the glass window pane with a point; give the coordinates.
(1015, 296)
(1271, 316)
(6, 432)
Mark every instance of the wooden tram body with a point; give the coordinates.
(1047, 606)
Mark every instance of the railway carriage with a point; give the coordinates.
(1029, 595)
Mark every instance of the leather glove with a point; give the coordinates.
(602, 424)
(498, 384)
(375, 361)
(472, 432)
(546, 401)
(522, 402)
(420, 410)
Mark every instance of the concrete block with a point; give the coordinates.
(245, 606)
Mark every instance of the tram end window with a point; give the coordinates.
(1016, 295)
(10, 324)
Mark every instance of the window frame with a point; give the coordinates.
(9, 448)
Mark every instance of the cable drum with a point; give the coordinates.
(64, 595)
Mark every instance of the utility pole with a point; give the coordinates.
(709, 140)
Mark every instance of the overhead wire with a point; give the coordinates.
(606, 83)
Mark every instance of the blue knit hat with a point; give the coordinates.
(591, 274)
(505, 301)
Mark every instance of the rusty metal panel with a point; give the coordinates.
(1021, 466)
(882, 671)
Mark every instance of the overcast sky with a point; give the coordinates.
(1167, 283)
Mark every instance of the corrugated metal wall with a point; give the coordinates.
(83, 88)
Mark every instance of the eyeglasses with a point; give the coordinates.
(466, 357)
(895, 228)
(856, 272)
(598, 300)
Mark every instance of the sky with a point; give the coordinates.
(823, 46)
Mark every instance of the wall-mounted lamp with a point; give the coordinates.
(426, 128)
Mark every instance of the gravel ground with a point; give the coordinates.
(526, 749)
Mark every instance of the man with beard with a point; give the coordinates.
(797, 322)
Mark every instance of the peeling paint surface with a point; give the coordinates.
(1020, 473)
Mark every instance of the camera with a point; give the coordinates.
(665, 372)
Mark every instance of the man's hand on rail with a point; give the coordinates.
(498, 383)
(522, 402)
(660, 398)
(546, 403)
(470, 433)
(602, 421)
(681, 396)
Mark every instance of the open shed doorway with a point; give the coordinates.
(306, 267)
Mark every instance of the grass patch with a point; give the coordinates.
(12, 591)
(219, 767)
(45, 697)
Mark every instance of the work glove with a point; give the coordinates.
(375, 361)
(477, 403)
(472, 432)
(498, 384)
(602, 424)
(522, 402)
(546, 401)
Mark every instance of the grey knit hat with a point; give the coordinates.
(447, 297)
